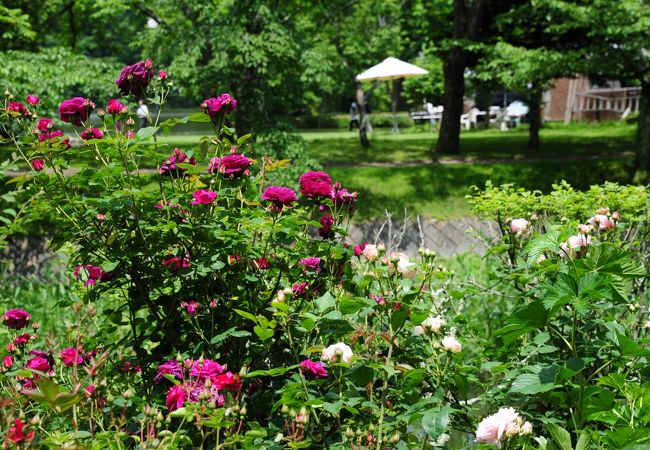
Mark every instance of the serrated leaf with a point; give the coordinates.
(263, 333)
(530, 383)
(435, 421)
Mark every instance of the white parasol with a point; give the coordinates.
(392, 69)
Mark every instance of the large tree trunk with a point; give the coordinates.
(363, 117)
(454, 73)
(534, 119)
(643, 133)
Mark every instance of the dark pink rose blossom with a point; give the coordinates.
(175, 397)
(358, 249)
(223, 105)
(93, 274)
(191, 307)
(312, 263)
(234, 165)
(163, 75)
(228, 381)
(203, 197)
(21, 340)
(174, 263)
(39, 363)
(33, 99)
(170, 168)
(16, 318)
(325, 231)
(345, 197)
(316, 185)
(315, 369)
(71, 357)
(135, 79)
(202, 370)
(171, 367)
(51, 137)
(91, 133)
(18, 108)
(75, 110)
(260, 264)
(300, 289)
(38, 164)
(44, 124)
(16, 434)
(115, 107)
(279, 197)
(8, 361)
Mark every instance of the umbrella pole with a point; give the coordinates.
(394, 107)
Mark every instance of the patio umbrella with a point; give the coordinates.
(392, 69)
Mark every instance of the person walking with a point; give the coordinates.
(143, 114)
(354, 116)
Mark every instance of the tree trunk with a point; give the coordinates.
(534, 119)
(643, 134)
(363, 118)
(454, 73)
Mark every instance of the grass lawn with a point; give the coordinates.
(342, 147)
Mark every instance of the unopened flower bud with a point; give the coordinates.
(130, 121)
(35, 325)
(35, 420)
(349, 433)
(243, 372)
(127, 394)
(394, 439)
(101, 112)
(243, 411)
(284, 410)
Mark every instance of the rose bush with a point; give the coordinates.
(215, 307)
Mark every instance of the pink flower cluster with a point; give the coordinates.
(46, 134)
(135, 79)
(19, 109)
(495, 429)
(174, 263)
(16, 319)
(311, 263)
(115, 107)
(91, 133)
(279, 197)
(234, 165)
(314, 368)
(203, 197)
(170, 168)
(203, 379)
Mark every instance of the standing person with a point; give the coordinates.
(366, 107)
(354, 116)
(143, 114)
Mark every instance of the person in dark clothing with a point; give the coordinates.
(354, 116)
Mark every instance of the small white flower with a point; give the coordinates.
(451, 344)
(338, 352)
(433, 324)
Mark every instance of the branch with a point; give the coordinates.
(144, 9)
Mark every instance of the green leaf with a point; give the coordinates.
(65, 400)
(398, 319)
(244, 138)
(607, 259)
(412, 378)
(246, 315)
(584, 440)
(530, 383)
(349, 306)
(435, 421)
(560, 436)
(230, 332)
(263, 333)
(549, 241)
(49, 388)
(146, 132)
(198, 117)
(630, 348)
(325, 302)
(524, 319)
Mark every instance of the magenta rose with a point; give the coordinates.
(191, 307)
(38, 164)
(175, 263)
(315, 369)
(115, 107)
(92, 274)
(234, 165)
(44, 125)
(33, 99)
(163, 75)
(203, 197)
(228, 381)
(40, 363)
(16, 318)
(221, 105)
(71, 357)
(170, 168)
(311, 263)
(202, 370)
(135, 79)
(19, 108)
(176, 397)
(316, 184)
(75, 110)
(91, 133)
(325, 230)
(171, 367)
(51, 138)
(279, 196)
(20, 341)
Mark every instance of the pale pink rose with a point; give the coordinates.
(577, 242)
(495, 428)
(602, 222)
(585, 229)
(433, 324)
(527, 428)
(338, 352)
(405, 267)
(370, 252)
(419, 330)
(519, 226)
(451, 344)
